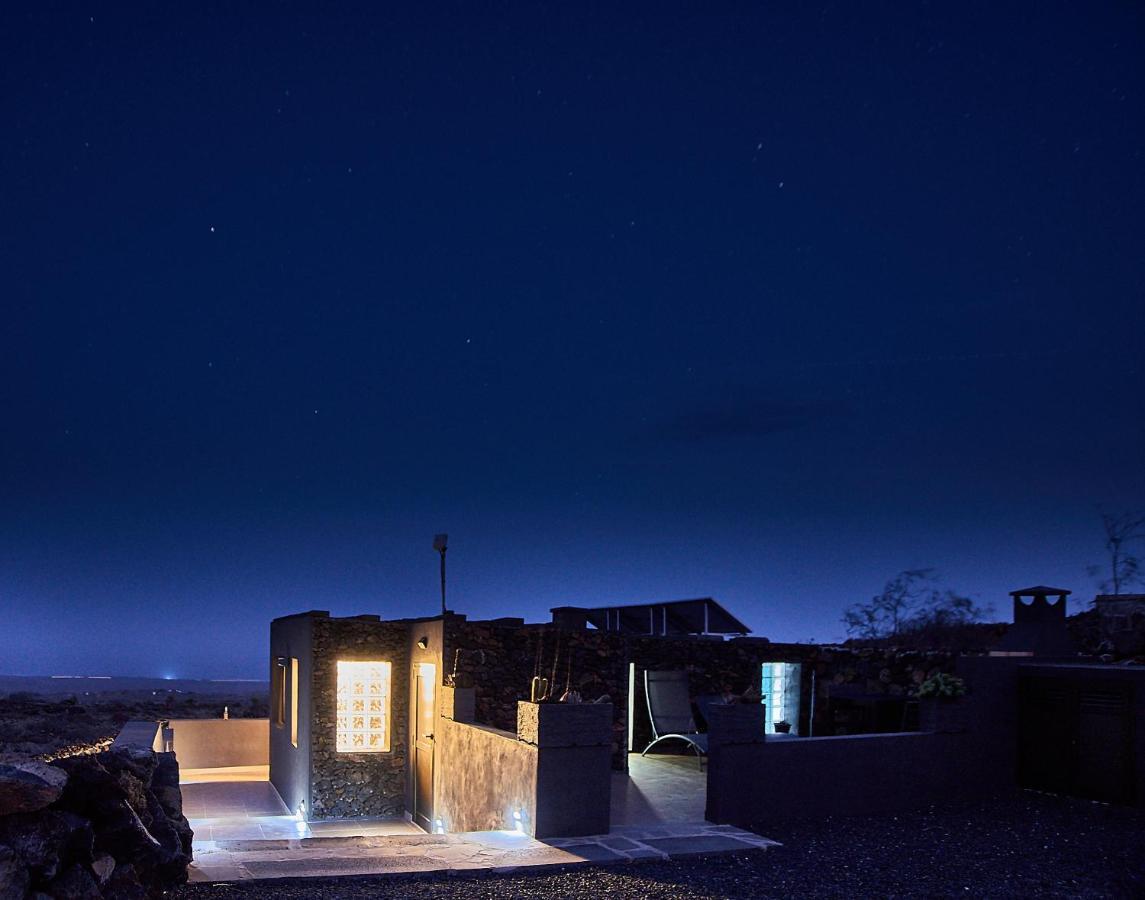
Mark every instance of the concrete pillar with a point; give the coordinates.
(574, 765)
(735, 736)
(457, 703)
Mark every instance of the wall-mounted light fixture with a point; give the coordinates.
(423, 642)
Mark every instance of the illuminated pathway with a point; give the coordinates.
(242, 831)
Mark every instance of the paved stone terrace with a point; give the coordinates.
(243, 832)
(498, 851)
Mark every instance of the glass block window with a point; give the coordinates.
(363, 715)
(780, 687)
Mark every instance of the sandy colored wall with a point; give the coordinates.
(484, 776)
(217, 743)
(290, 638)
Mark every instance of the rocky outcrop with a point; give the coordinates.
(29, 786)
(14, 877)
(114, 828)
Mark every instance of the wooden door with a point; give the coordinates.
(1047, 734)
(1105, 743)
(1077, 738)
(424, 719)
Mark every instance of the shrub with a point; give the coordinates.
(942, 686)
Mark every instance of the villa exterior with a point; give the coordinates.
(368, 715)
(430, 718)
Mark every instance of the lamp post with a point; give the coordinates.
(439, 542)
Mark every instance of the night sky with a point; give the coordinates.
(730, 300)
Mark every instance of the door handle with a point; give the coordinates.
(428, 737)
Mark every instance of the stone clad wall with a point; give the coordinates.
(358, 784)
(600, 666)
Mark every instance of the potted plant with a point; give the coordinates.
(782, 727)
(942, 686)
(940, 708)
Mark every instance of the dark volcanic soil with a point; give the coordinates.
(38, 725)
(1028, 846)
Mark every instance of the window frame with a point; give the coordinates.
(278, 693)
(347, 694)
(294, 702)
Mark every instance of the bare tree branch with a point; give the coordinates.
(1122, 531)
(911, 603)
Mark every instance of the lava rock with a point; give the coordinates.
(27, 787)
(44, 840)
(102, 867)
(14, 877)
(121, 833)
(124, 884)
(74, 883)
(165, 785)
(91, 790)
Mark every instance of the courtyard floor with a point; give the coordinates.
(1024, 846)
(243, 831)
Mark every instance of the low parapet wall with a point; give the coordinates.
(140, 735)
(550, 779)
(779, 781)
(486, 779)
(753, 781)
(220, 743)
(574, 765)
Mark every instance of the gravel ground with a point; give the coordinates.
(1028, 846)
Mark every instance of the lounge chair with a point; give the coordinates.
(670, 709)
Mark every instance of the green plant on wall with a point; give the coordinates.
(942, 686)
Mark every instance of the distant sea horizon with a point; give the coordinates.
(65, 683)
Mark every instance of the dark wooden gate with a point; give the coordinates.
(1076, 737)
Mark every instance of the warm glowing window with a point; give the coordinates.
(363, 707)
(294, 701)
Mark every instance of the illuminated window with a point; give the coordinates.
(781, 683)
(294, 701)
(363, 707)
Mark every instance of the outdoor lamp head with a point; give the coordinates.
(439, 542)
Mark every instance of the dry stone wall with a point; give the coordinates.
(103, 825)
(358, 784)
(501, 658)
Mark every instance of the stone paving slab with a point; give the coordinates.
(499, 851)
(707, 843)
(595, 853)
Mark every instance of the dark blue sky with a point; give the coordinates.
(735, 300)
